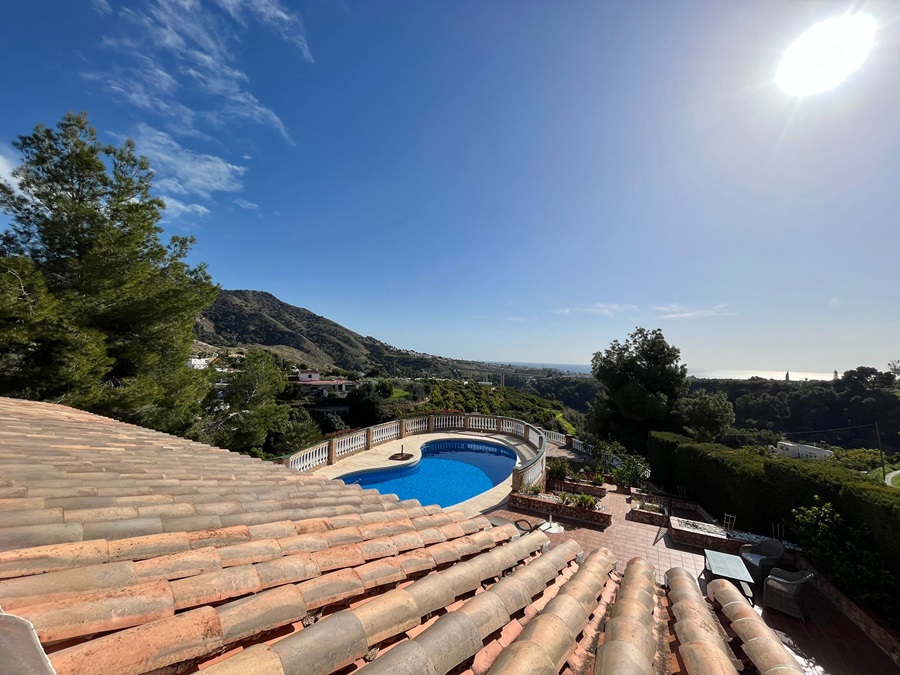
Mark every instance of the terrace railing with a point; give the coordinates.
(531, 470)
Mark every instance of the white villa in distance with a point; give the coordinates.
(800, 451)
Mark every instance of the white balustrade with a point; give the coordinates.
(555, 436)
(482, 423)
(417, 425)
(310, 458)
(533, 474)
(448, 421)
(347, 444)
(385, 432)
(577, 445)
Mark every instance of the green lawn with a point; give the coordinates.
(400, 394)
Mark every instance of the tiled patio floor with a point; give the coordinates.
(827, 644)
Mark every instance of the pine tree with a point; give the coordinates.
(95, 311)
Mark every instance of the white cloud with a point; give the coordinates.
(598, 309)
(175, 46)
(679, 311)
(244, 204)
(101, 6)
(176, 208)
(6, 167)
(185, 171)
(272, 14)
(248, 157)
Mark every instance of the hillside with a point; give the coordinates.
(243, 318)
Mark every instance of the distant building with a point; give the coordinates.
(800, 451)
(307, 375)
(195, 363)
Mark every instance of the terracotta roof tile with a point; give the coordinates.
(100, 611)
(145, 648)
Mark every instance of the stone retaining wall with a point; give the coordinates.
(682, 534)
(649, 517)
(526, 503)
(597, 491)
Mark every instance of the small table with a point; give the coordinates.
(731, 567)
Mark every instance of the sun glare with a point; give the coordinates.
(826, 54)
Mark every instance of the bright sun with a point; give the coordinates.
(826, 54)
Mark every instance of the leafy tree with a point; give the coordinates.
(366, 406)
(642, 380)
(251, 411)
(291, 434)
(706, 417)
(385, 388)
(96, 312)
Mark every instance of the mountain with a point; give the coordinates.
(245, 318)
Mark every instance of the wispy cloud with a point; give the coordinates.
(679, 311)
(665, 311)
(6, 167)
(176, 208)
(244, 204)
(185, 171)
(834, 302)
(598, 309)
(169, 47)
(101, 6)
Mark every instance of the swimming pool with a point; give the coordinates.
(450, 471)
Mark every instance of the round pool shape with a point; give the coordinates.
(449, 472)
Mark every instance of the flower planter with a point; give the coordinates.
(597, 491)
(529, 503)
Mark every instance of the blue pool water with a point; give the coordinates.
(449, 472)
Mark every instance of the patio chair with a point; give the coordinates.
(762, 557)
(784, 591)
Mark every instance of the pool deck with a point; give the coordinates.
(377, 458)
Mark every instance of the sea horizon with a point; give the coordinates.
(700, 373)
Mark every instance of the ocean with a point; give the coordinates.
(696, 372)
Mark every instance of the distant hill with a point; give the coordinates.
(247, 318)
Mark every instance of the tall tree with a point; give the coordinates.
(248, 411)
(706, 416)
(642, 381)
(83, 263)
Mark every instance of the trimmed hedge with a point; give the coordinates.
(763, 490)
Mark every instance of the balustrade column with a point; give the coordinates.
(569, 440)
(370, 433)
(499, 425)
(527, 435)
(332, 451)
(430, 423)
(465, 422)
(402, 428)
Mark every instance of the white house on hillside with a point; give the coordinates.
(308, 375)
(195, 363)
(800, 451)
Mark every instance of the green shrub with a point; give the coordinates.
(584, 501)
(566, 498)
(632, 472)
(762, 490)
(558, 468)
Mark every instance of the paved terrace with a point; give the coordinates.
(826, 644)
(126, 551)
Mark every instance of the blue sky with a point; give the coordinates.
(518, 181)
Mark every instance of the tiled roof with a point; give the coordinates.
(131, 551)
